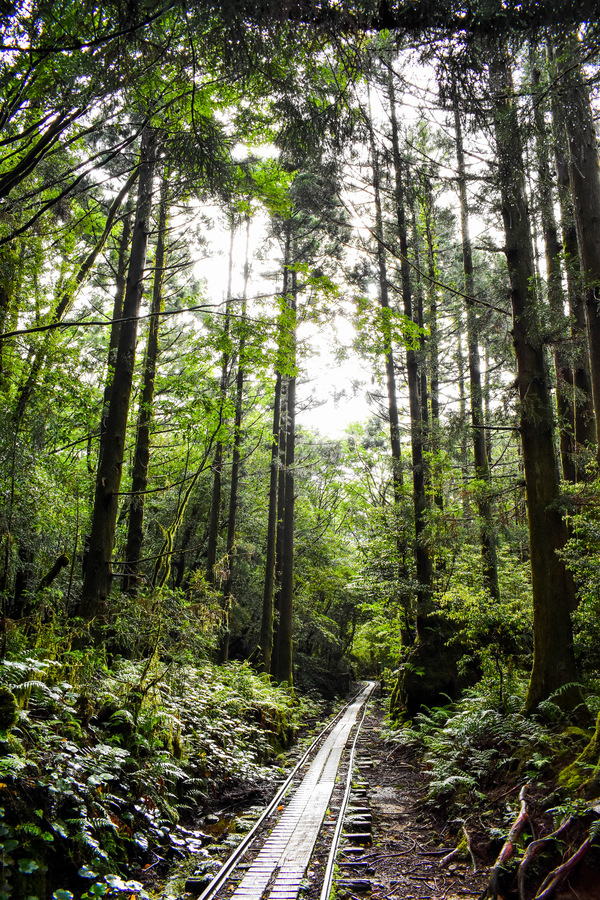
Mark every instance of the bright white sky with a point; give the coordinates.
(332, 382)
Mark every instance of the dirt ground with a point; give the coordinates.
(406, 845)
(411, 839)
(409, 843)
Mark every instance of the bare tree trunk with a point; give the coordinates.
(480, 456)
(584, 175)
(419, 317)
(267, 637)
(392, 397)
(424, 573)
(236, 455)
(141, 457)
(115, 327)
(98, 575)
(217, 466)
(583, 402)
(434, 363)
(556, 299)
(465, 462)
(386, 327)
(285, 671)
(553, 595)
(280, 518)
(266, 628)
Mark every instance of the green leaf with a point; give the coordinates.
(98, 890)
(60, 828)
(86, 872)
(28, 866)
(62, 895)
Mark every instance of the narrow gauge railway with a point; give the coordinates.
(311, 806)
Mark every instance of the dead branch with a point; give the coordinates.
(450, 856)
(470, 848)
(536, 847)
(491, 891)
(556, 877)
(463, 847)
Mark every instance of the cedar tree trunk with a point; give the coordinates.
(553, 657)
(480, 455)
(97, 581)
(141, 457)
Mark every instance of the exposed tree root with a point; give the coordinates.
(556, 877)
(536, 847)
(508, 849)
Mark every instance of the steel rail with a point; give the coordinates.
(229, 865)
(335, 841)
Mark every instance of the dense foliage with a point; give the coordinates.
(199, 205)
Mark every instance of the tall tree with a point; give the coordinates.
(554, 666)
(117, 311)
(217, 465)
(141, 455)
(267, 661)
(565, 406)
(98, 575)
(584, 425)
(584, 174)
(480, 456)
(386, 321)
(236, 458)
(284, 671)
(424, 570)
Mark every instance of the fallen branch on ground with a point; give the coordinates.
(463, 847)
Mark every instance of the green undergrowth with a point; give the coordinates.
(105, 770)
(478, 748)
(483, 758)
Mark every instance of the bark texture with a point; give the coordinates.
(584, 423)
(480, 456)
(141, 456)
(236, 458)
(115, 327)
(98, 574)
(424, 572)
(284, 671)
(553, 596)
(584, 176)
(267, 628)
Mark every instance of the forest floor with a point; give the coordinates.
(412, 837)
(409, 840)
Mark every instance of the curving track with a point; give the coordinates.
(272, 859)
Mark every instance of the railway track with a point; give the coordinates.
(310, 809)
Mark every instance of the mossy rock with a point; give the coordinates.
(581, 735)
(583, 774)
(9, 709)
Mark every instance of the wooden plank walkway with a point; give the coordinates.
(284, 858)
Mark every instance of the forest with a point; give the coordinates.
(217, 219)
